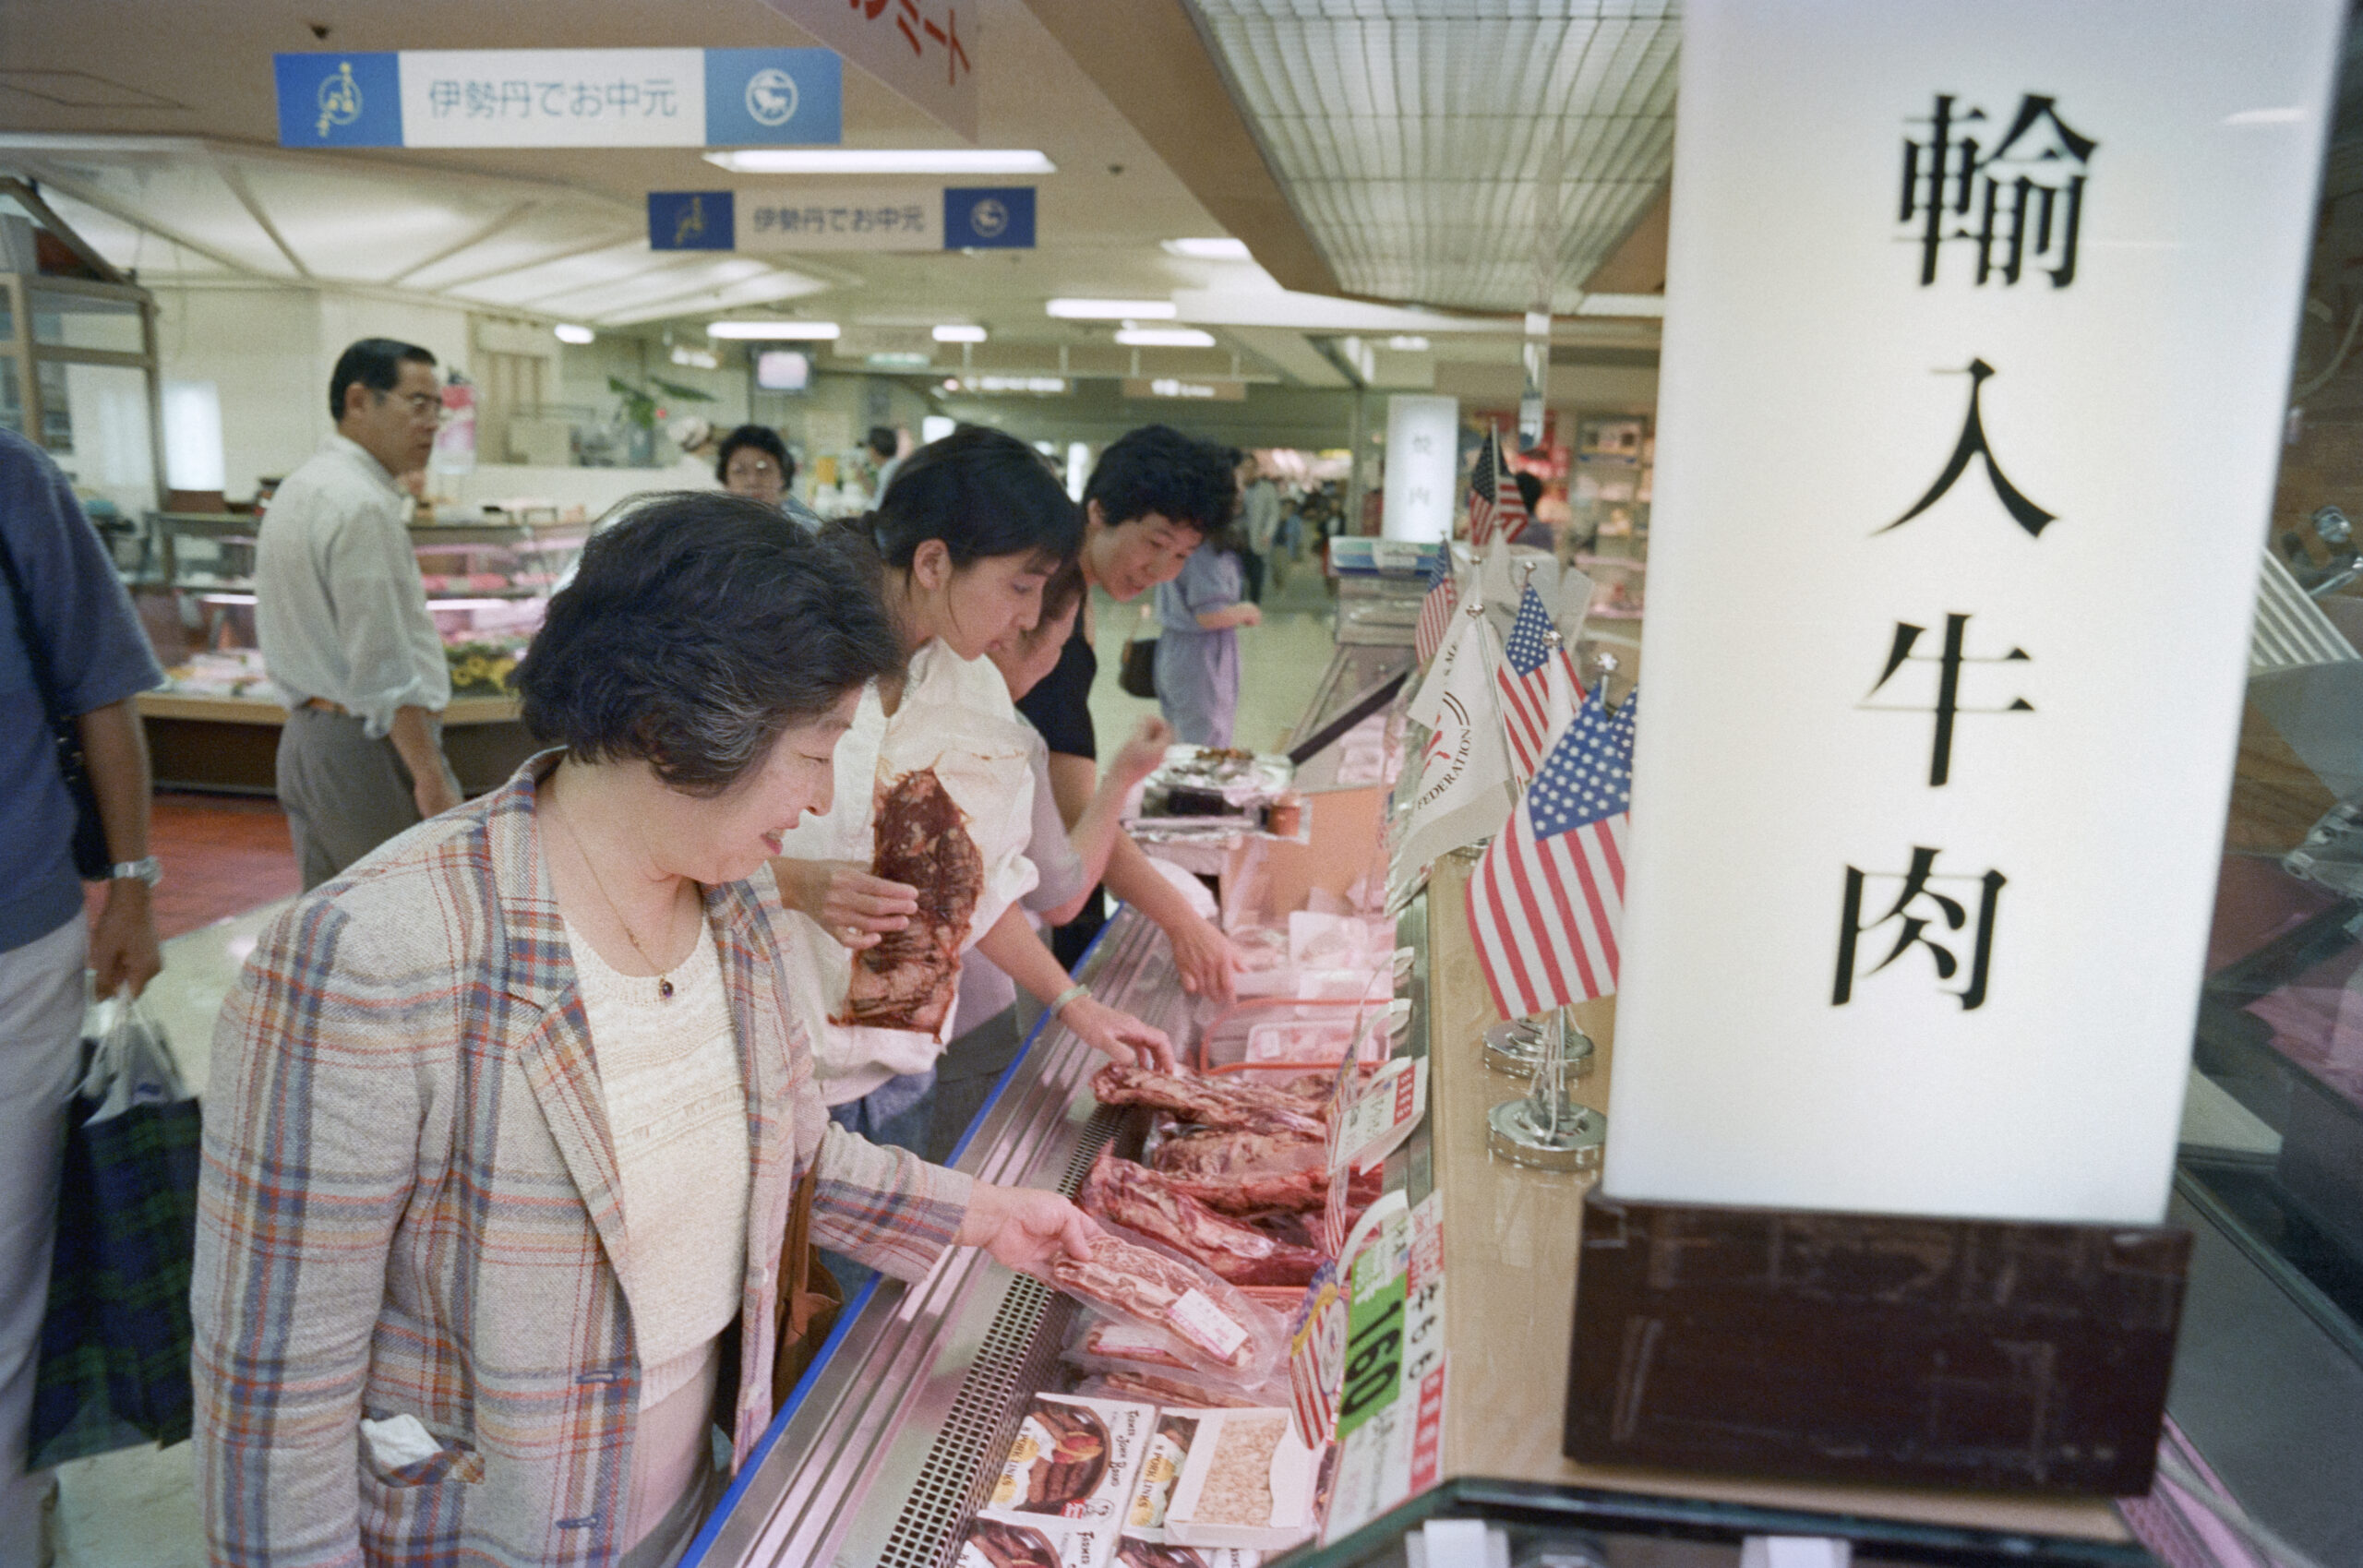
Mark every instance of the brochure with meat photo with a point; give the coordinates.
(1132, 1554)
(1044, 1543)
(1075, 1460)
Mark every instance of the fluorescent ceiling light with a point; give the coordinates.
(1111, 309)
(775, 331)
(1165, 337)
(956, 333)
(1406, 343)
(882, 161)
(899, 359)
(1209, 250)
(1622, 304)
(568, 332)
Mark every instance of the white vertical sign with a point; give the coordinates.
(1422, 468)
(1978, 338)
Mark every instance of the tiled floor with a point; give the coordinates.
(229, 869)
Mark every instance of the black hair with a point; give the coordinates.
(375, 363)
(763, 438)
(696, 630)
(882, 440)
(1530, 489)
(1158, 469)
(984, 493)
(1060, 595)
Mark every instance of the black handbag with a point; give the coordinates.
(91, 861)
(1138, 672)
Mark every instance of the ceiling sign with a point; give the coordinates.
(1194, 389)
(1920, 879)
(842, 217)
(914, 46)
(562, 97)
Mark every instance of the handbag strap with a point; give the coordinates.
(796, 1261)
(36, 651)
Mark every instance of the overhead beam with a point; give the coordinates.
(124, 214)
(610, 243)
(229, 174)
(474, 237)
(1636, 264)
(1148, 58)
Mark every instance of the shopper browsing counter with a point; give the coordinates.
(460, 1292)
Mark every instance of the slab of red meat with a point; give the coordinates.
(1210, 1102)
(1248, 1173)
(911, 979)
(1138, 1199)
(1150, 1287)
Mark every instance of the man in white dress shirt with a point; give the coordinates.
(341, 617)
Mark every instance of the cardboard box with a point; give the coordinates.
(1247, 1481)
(1036, 1543)
(1073, 1459)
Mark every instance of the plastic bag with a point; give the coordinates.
(1190, 1315)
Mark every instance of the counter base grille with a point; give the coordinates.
(1017, 1355)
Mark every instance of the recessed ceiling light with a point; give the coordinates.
(1165, 337)
(882, 161)
(953, 333)
(1209, 249)
(775, 331)
(696, 359)
(568, 332)
(1111, 309)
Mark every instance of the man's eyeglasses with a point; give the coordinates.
(423, 405)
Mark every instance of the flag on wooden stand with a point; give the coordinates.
(1546, 900)
(1496, 508)
(1436, 610)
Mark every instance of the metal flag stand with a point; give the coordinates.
(1546, 1129)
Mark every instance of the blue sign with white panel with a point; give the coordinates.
(988, 218)
(774, 97)
(339, 100)
(691, 220)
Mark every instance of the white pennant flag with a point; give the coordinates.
(1464, 788)
(1571, 606)
(1497, 584)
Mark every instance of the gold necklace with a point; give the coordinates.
(663, 981)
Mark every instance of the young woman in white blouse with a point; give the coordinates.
(962, 543)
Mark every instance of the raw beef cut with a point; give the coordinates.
(1248, 1173)
(1210, 1102)
(911, 979)
(1152, 1289)
(1138, 1199)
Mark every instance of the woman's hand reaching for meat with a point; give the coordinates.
(1027, 1229)
(1118, 1034)
(1142, 754)
(851, 905)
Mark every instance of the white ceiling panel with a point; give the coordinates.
(373, 230)
(1425, 143)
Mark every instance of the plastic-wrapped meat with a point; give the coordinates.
(911, 979)
(1210, 1102)
(1248, 1173)
(1138, 1199)
(1152, 1289)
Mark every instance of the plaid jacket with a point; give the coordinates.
(410, 1204)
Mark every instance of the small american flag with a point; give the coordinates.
(1525, 679)
(1436, 610)
(1494, 505)
(1548, 896)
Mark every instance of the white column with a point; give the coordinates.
(1422, 468)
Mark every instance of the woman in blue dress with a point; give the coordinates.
(1199, 614)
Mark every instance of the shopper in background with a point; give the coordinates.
(972, 527)
(1529, 493)
(753, 463)
(341, 617)
(503, 1127)
(885, 444)
(1199, 613)
(1259, 515)
(1153, 497)
(96, 658)
(985, 1030)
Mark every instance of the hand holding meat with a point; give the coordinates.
(1027, 1229)
(1118, 1035)
(852, 904)
(1208, 963)
(1142, 752)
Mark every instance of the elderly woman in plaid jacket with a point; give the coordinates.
(504, 1121)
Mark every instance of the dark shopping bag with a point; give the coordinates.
(1136, 672)
(115, 1339)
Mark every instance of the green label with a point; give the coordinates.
(1374, 1356)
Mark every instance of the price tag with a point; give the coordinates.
(1374, 1356)
(1383, 1114)
(1390, 1405)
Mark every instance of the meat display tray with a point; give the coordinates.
(902, 1428)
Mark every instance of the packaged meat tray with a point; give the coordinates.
(1041, 1543)
(1248, 1480)
(1211, 1325)
(1125, 1193)
(1072, 1459)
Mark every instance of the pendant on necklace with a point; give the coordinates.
(663, 988)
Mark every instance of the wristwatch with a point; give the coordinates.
(147, 868)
